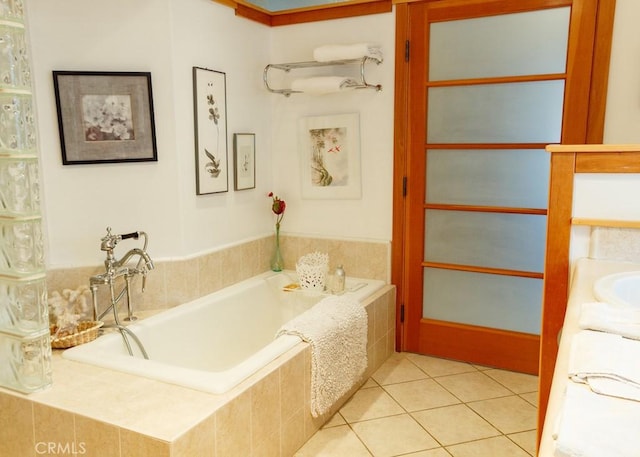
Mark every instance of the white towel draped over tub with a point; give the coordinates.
(608, 363)
(336, 329)
(330, 52)
(592, 425)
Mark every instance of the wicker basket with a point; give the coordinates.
(86, 331)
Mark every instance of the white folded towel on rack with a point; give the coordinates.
(609, 318)
(330, 52)
(592, 425)
(336, 329)
(606, 362)
(320, 85)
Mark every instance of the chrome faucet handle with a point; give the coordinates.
(144, 272)
(109, 241)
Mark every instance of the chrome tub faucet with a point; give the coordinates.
(121, 268)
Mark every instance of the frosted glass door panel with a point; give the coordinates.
(477, 48)
(495, 301)
(495, 240)
(510, 178)
(529, 112)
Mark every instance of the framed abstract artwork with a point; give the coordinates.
(330, 148)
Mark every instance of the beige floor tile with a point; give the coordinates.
(338, 441)
(370, 404)
(507, 414)
(519, 383)
(473, 386)
(531, 398)
(396, 369)
(491, 447)
(391, 436)
(335, 420)
(434, 366)
(526, 440)
(439, 452)
(369, 383)
(454, 424)
(422, 394)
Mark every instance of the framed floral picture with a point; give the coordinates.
(330, 148)
(244, 160)
(210, 118)
(105, 117)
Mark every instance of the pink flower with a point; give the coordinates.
(278, 206)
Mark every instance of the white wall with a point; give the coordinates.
(371, 216)
(166, 38)
(609, 196)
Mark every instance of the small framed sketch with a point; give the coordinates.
(210, 118)
(105, 117)
(244, 160)
(330, 148)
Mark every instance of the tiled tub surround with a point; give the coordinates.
(174, 282)
(211, 344)
(98, 412)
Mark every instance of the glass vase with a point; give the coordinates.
(277, 262)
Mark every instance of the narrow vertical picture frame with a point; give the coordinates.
(210, 119)
(244, 161)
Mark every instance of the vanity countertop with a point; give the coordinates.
(586, 272)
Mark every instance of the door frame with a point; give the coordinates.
(592, 133)
(599, 50)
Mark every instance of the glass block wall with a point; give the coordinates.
(25, 348)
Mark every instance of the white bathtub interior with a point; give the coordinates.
(213, 343)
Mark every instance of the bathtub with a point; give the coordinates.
(215, 342)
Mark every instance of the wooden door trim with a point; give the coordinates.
(563, 165)
(485, 346)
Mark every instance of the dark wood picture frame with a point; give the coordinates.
(105, 117)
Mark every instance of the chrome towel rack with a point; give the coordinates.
(287, 67)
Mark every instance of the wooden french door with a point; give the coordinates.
(490, 83)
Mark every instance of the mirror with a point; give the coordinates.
(286, 12)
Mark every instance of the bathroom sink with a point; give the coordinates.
(619, 289)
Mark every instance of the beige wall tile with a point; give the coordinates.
(16, 426)
(233, 434)
(53, 425)
(265, 409)
(292, 386)
(96, 439)
(181, 281)
(200, 441)
(132, 443)
(175, 282)
(209, 273)
(293, 436)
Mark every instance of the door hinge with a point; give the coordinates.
(404, 186)
(402, 312)
(406, 51)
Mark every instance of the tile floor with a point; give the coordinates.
(420, 406)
